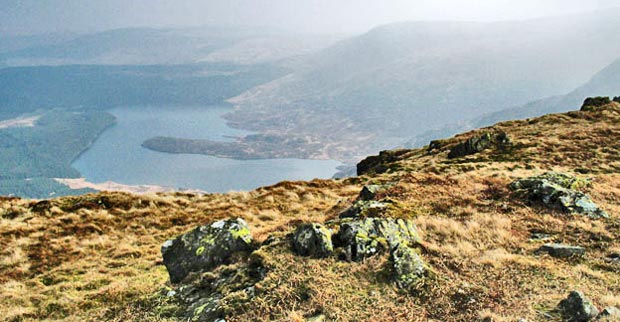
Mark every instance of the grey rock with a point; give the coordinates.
(363, 238)
(369, 192)
(577, 308)
(317, 318)
(557, 191)
(562, 251)
(614, 258)
(478, 144)
(409, 268)
(313, 240)
(540, 236)
(365, 208)
(205, 248)
(610, 313)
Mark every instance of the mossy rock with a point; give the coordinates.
(558, 191)
(205, 248)
(409, 268)
(363, 238)
(313, 240)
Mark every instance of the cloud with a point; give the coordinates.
(305, 15)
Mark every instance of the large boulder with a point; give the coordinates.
(562, 251)
(363, 238)
(558, 191)
(205, 248)
(313, 240)
(577, 308)
(478, 144)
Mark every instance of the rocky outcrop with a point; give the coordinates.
(591, 103)
(379, 163)
(478, 144)
(558, 191)
(313, 240)
(205, 248)
(366, 237)
(562, 251)
(577, 308)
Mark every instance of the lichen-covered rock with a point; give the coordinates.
(363, 238)
(365, 208)
(205, 248)
(562, 251)
(313, 240)
(207, 297)
(478, 144)
(409, 268)
(577, 308)
(557, 191)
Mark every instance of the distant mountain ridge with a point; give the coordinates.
(400, 80)
(604, 83)
(147, 46)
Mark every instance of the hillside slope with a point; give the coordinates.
(399, 80)
(97, 257)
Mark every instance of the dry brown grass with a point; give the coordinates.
(97, 257)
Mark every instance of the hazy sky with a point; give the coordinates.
(30, 16)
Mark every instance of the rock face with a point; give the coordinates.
(557, 190)
(592, 103)
(562, 251)
(577, 308)
(478, 144)
(366, 237)
(205, 248)
(313, 240)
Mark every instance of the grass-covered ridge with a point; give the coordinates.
(97, 257)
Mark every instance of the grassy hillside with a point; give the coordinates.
(97, 257)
